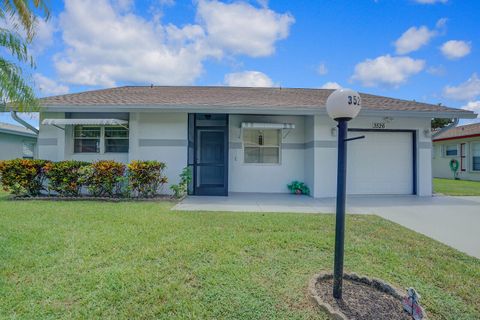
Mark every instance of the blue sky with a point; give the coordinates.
(426, 50)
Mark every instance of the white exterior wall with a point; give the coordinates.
(11, 145)
(153, 136)
(441, 162)
(308, 153)
(269, 178)
(51, 140)
(160, 136)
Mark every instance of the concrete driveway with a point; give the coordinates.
(454, 221)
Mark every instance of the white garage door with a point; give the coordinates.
(380, 164)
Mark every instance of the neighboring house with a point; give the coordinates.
(16, 142)
(461, 143)
(247, 139)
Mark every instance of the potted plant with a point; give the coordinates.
(297, 187)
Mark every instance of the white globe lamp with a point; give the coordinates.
(342, 106)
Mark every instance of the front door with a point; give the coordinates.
(210, 168)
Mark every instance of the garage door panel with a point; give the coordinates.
(380, 164)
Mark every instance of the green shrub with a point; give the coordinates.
(66, 177)
(23, 176)
(180, 189)
(146, 178)
(104, 178)
(298, 187)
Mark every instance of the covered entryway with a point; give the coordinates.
(382, 163)
(208, 153)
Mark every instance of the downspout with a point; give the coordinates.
(451, 125)
(23, 122)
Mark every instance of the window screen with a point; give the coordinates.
(116, 139)
(261, 146)
(451, 150)
(476, 156)
(86, 139)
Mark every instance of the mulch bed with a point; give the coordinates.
(87, 198)
(362, 298)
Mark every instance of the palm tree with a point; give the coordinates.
(18, 17)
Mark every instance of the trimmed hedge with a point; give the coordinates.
(23, 176)
(66, 177)
(145, 178)
(106, 178)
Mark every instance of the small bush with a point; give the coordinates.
(180, 190)
(66, 177)
(298, 187)
(23, 176)
(104, 178)
(146, 178)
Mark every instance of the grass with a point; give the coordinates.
(92, 260)
(456, 187)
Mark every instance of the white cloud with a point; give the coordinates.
(413, 39)
(387, 70)
(44, 34)
(431, 1)
(240, 28)
(437, 70)
(416, 37)
(467, 90)
(322, 69)
(331, 85)
(47, 86)
(441, 23)
(472, 106)
(456, 49)
(248, 79)
(106, 44)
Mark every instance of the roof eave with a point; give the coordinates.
(473, 135)
(18, 133)
(462, 114)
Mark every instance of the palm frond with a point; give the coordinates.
(21, 13)
(13, 43)
(14, 89)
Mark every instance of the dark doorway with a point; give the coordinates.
(208, 153)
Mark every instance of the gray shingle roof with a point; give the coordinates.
(460, 131)
(198, 96)
(13, 129)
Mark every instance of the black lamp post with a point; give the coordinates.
(342, 106)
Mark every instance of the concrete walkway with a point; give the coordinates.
(454, 221)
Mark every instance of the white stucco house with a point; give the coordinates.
(16, 142)
(247, 139)
(461, 143)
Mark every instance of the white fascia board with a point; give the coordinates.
(18, 133)
(254, 110)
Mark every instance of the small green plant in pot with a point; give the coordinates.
(297, 187)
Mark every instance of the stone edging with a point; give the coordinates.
(107, 199)
(338, 315)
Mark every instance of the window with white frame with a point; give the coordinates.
(116, 139)
(476, 156)
(261, 146)
(100, 139)
(28, 149)
(451, 150)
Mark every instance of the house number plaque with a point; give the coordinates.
(378, 125)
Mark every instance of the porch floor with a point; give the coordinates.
(275, 202)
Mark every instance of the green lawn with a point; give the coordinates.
(94, 260)
(456, 187)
